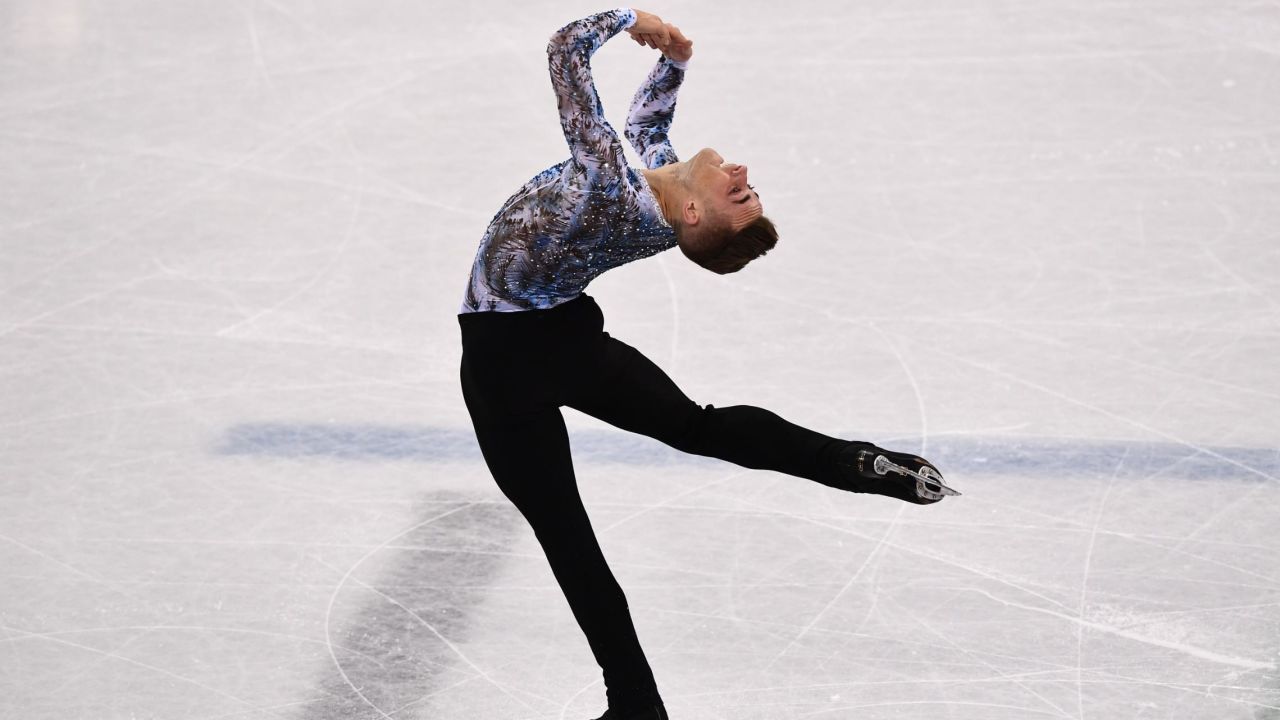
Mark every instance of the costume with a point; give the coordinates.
(592, 212)
(533, 342)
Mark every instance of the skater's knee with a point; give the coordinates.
(695, 428)
(709, 430)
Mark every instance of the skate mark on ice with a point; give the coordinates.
(875, 553)
(998, 675)
(1186, 648)
(1084, 586)
(48, 637)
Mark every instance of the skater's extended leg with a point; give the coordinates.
(627, 390)
(530, 461)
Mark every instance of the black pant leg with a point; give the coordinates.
(526, 447)
(627, 390)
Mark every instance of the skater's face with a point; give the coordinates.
(722, 190)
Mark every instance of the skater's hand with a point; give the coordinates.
(680, 48)
(650, 31)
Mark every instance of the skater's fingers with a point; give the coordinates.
(646, 22)
(645, 39)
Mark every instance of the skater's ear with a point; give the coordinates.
(691, 214)
(698, 232)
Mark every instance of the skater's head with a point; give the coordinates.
(721, 223)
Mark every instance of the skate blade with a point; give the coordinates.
(929, 484)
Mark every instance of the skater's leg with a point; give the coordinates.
(624, 388)
(529, 458)
(627, 390)
(515, 368)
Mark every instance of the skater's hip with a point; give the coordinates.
(577, 319)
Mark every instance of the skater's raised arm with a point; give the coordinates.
(651, 111)
(592, 141)
(654, 104)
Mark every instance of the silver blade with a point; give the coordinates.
(929, 481)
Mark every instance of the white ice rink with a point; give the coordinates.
(1036, 241)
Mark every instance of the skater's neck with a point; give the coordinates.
(669, 187)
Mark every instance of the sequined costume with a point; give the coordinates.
(590, 213)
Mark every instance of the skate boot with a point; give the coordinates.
(906, 477)
(653, 712)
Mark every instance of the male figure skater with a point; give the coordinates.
(533, 341)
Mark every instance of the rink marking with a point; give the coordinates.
(1060, 458)
(328, 612)
(432, 656)
(1098, 409)
(439, 636)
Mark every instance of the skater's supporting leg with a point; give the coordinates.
(515, 368)
(530, 462)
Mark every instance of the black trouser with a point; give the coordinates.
(519, 368)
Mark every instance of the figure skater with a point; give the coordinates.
(533, 341)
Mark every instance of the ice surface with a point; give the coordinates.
(1035, 241)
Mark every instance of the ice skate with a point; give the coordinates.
(655, 712)
(898, 475)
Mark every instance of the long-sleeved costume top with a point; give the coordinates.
(592, 212)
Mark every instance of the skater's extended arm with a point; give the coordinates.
(654, 105)
(592, 141)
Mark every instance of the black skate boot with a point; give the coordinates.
(906, 477)
(652, 712)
